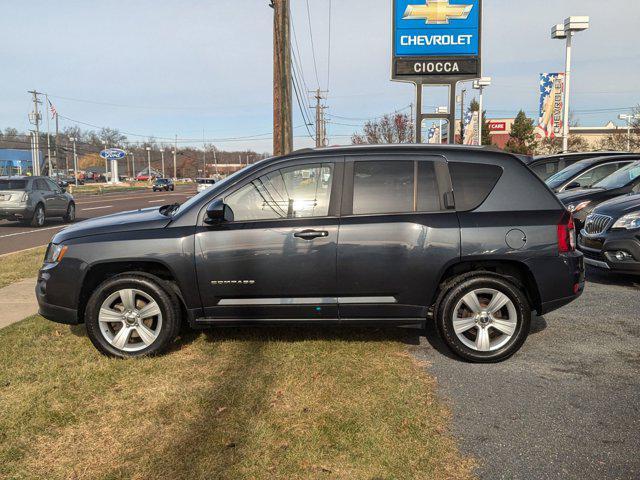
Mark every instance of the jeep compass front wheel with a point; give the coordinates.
(132, 315)
(484, 318)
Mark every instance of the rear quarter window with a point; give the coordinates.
(472, 183)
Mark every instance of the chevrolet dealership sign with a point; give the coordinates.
(436, 38)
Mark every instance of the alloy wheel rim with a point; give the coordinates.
(72, 212)
(40, 216)
(130, 320)
(485, 319)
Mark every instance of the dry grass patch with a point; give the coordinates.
(267, 403)
(21, 265)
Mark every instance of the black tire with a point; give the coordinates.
(458, 288)
(150, 285)
(70, 216)
(39, 216)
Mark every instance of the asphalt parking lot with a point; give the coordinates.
(567, 405)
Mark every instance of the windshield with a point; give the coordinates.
(620, 178)
(162, 180)
(207, 181)
(218, 186)
(557, 179)
(13, 184)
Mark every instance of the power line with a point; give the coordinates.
(313, 48)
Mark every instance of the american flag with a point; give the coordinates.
(54, 112)
(470, 121)
(551, 91)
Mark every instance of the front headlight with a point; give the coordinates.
(628, 221)
(55, 253)
(576, 207)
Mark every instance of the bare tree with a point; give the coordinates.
(395, 128)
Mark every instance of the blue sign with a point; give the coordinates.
(436, 28)
(113, 154)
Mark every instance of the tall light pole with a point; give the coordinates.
(629, 119)
(133, 166)
(106, 163)
(162, 154)
(571, 26)
(75, 160)
(480, 84)
(149, 162)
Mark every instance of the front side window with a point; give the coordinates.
(303, 191)
(620, 178)
(599, 173)
(381, 187)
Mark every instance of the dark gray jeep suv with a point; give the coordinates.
(468, 237)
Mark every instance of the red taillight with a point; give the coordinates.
(566, 234)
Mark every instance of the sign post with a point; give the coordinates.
(113, 155)
(436, 42)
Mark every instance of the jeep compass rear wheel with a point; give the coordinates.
(484, 318)
(132, 315)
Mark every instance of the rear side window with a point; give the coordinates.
(472, 183)
(13, 184)
(381, 187)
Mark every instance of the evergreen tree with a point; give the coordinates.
(522, 137)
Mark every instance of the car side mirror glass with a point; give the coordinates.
(218, 212)
(572, 186)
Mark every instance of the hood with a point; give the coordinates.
(572, 196)
(145, 219)
(619, 206)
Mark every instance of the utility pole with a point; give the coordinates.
(162, 154)
(106, 163)
(133, 165)
(36, 121)
(282, 119)
(48, 136)
(175, 153)
(56, 150)
(321, 132)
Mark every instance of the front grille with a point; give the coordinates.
(596, 223)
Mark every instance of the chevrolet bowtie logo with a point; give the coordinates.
(437, 12)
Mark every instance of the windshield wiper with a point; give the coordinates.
(169, 209)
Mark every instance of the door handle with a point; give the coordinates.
(311, 234)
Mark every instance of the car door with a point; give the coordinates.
(398, 232)
(59, 197)
(47, 195)
(277, 258)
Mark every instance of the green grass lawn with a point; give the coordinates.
(246, 403)
(18, 266)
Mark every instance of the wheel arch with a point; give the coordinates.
(515, 271)
(154, 270)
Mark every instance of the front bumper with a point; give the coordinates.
(46, 306)
(599, 250)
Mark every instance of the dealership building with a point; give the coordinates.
(501, 127)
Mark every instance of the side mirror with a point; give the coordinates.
(217, 212)
(572, 186)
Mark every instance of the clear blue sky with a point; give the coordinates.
(164, 67)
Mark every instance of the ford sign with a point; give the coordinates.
(113, 154)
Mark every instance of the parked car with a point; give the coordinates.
(163, 184)
(204, 183)
(546, 165)
(467, 237)
(582, 202)
(34, 199)
(586, 173)
(610, 239)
